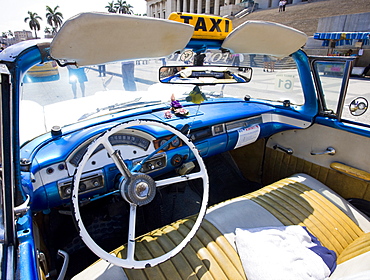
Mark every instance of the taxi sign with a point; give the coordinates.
(205, 26)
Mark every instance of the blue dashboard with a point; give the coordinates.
(49, 161)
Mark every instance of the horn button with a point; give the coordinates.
(139, 189)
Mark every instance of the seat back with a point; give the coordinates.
(293, 203)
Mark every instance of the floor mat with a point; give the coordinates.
(225, 179)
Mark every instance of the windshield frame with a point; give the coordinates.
(348, 64)
(8, 180)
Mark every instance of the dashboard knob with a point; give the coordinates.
(68, 191)
(82, 187)
(150, 166)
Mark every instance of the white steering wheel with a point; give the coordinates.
(137, 189)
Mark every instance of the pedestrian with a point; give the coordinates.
(284, 4)
(128, 77)
(252, 61)
(101, 69)
(266, 63)
(281, 4)
(272, 64)
(163, 60)
(77, 74)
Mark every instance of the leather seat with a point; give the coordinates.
(298, 200)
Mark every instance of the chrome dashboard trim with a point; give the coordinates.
(88, 179)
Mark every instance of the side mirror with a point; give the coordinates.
(204, 75)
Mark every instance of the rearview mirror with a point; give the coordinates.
(204, 75)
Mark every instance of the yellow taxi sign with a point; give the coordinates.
(205, 26)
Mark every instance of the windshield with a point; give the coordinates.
(59, 96)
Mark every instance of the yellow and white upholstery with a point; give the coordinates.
(298, 200)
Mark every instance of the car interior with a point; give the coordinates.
(267, 185)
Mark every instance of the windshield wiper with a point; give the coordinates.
(128, 105)
(110, 107)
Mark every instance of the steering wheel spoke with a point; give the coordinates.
(179, 179)
(137, 189)
(117, 158)
(131, 233)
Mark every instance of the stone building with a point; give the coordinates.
(163, 8)
(22, 35)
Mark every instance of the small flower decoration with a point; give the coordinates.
(181, 112)
(177, 108)
(175, 104)
(168, 114)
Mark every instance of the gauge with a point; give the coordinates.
(176, 142)
(126, 139)
(176, 160)
(163, 142)
(116, 139)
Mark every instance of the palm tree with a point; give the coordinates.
(54, 18)
(123, 7)
(111, 8)
(120, 6)
(47, 30)
(129, 9)
(33, 21)
(7, 37)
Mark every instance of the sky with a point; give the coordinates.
(13, 12)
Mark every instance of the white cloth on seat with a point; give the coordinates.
(279, 253)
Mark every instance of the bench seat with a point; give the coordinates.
(211, 254)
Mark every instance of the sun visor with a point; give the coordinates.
(95, 38)
(261, 37)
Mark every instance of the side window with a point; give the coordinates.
(351, 105)
(330, 76)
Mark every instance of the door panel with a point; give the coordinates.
(350, 150)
